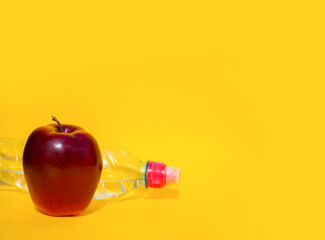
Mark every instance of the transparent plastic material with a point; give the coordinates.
(122, 171)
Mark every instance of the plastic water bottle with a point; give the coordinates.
(122, 171)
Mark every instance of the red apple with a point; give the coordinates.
(62, 166)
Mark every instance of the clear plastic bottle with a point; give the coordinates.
(122, 171)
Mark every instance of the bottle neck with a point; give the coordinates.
(143, 174)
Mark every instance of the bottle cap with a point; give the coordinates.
(172, 175)
(158, 175)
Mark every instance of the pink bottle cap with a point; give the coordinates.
(172, 175)
(158, 175)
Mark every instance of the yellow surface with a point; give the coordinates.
(230, 91)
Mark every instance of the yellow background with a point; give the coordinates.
(230, 91)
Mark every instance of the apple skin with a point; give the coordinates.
(62, 169)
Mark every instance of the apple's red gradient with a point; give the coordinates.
(62, 169)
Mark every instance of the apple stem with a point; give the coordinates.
(58, 122)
